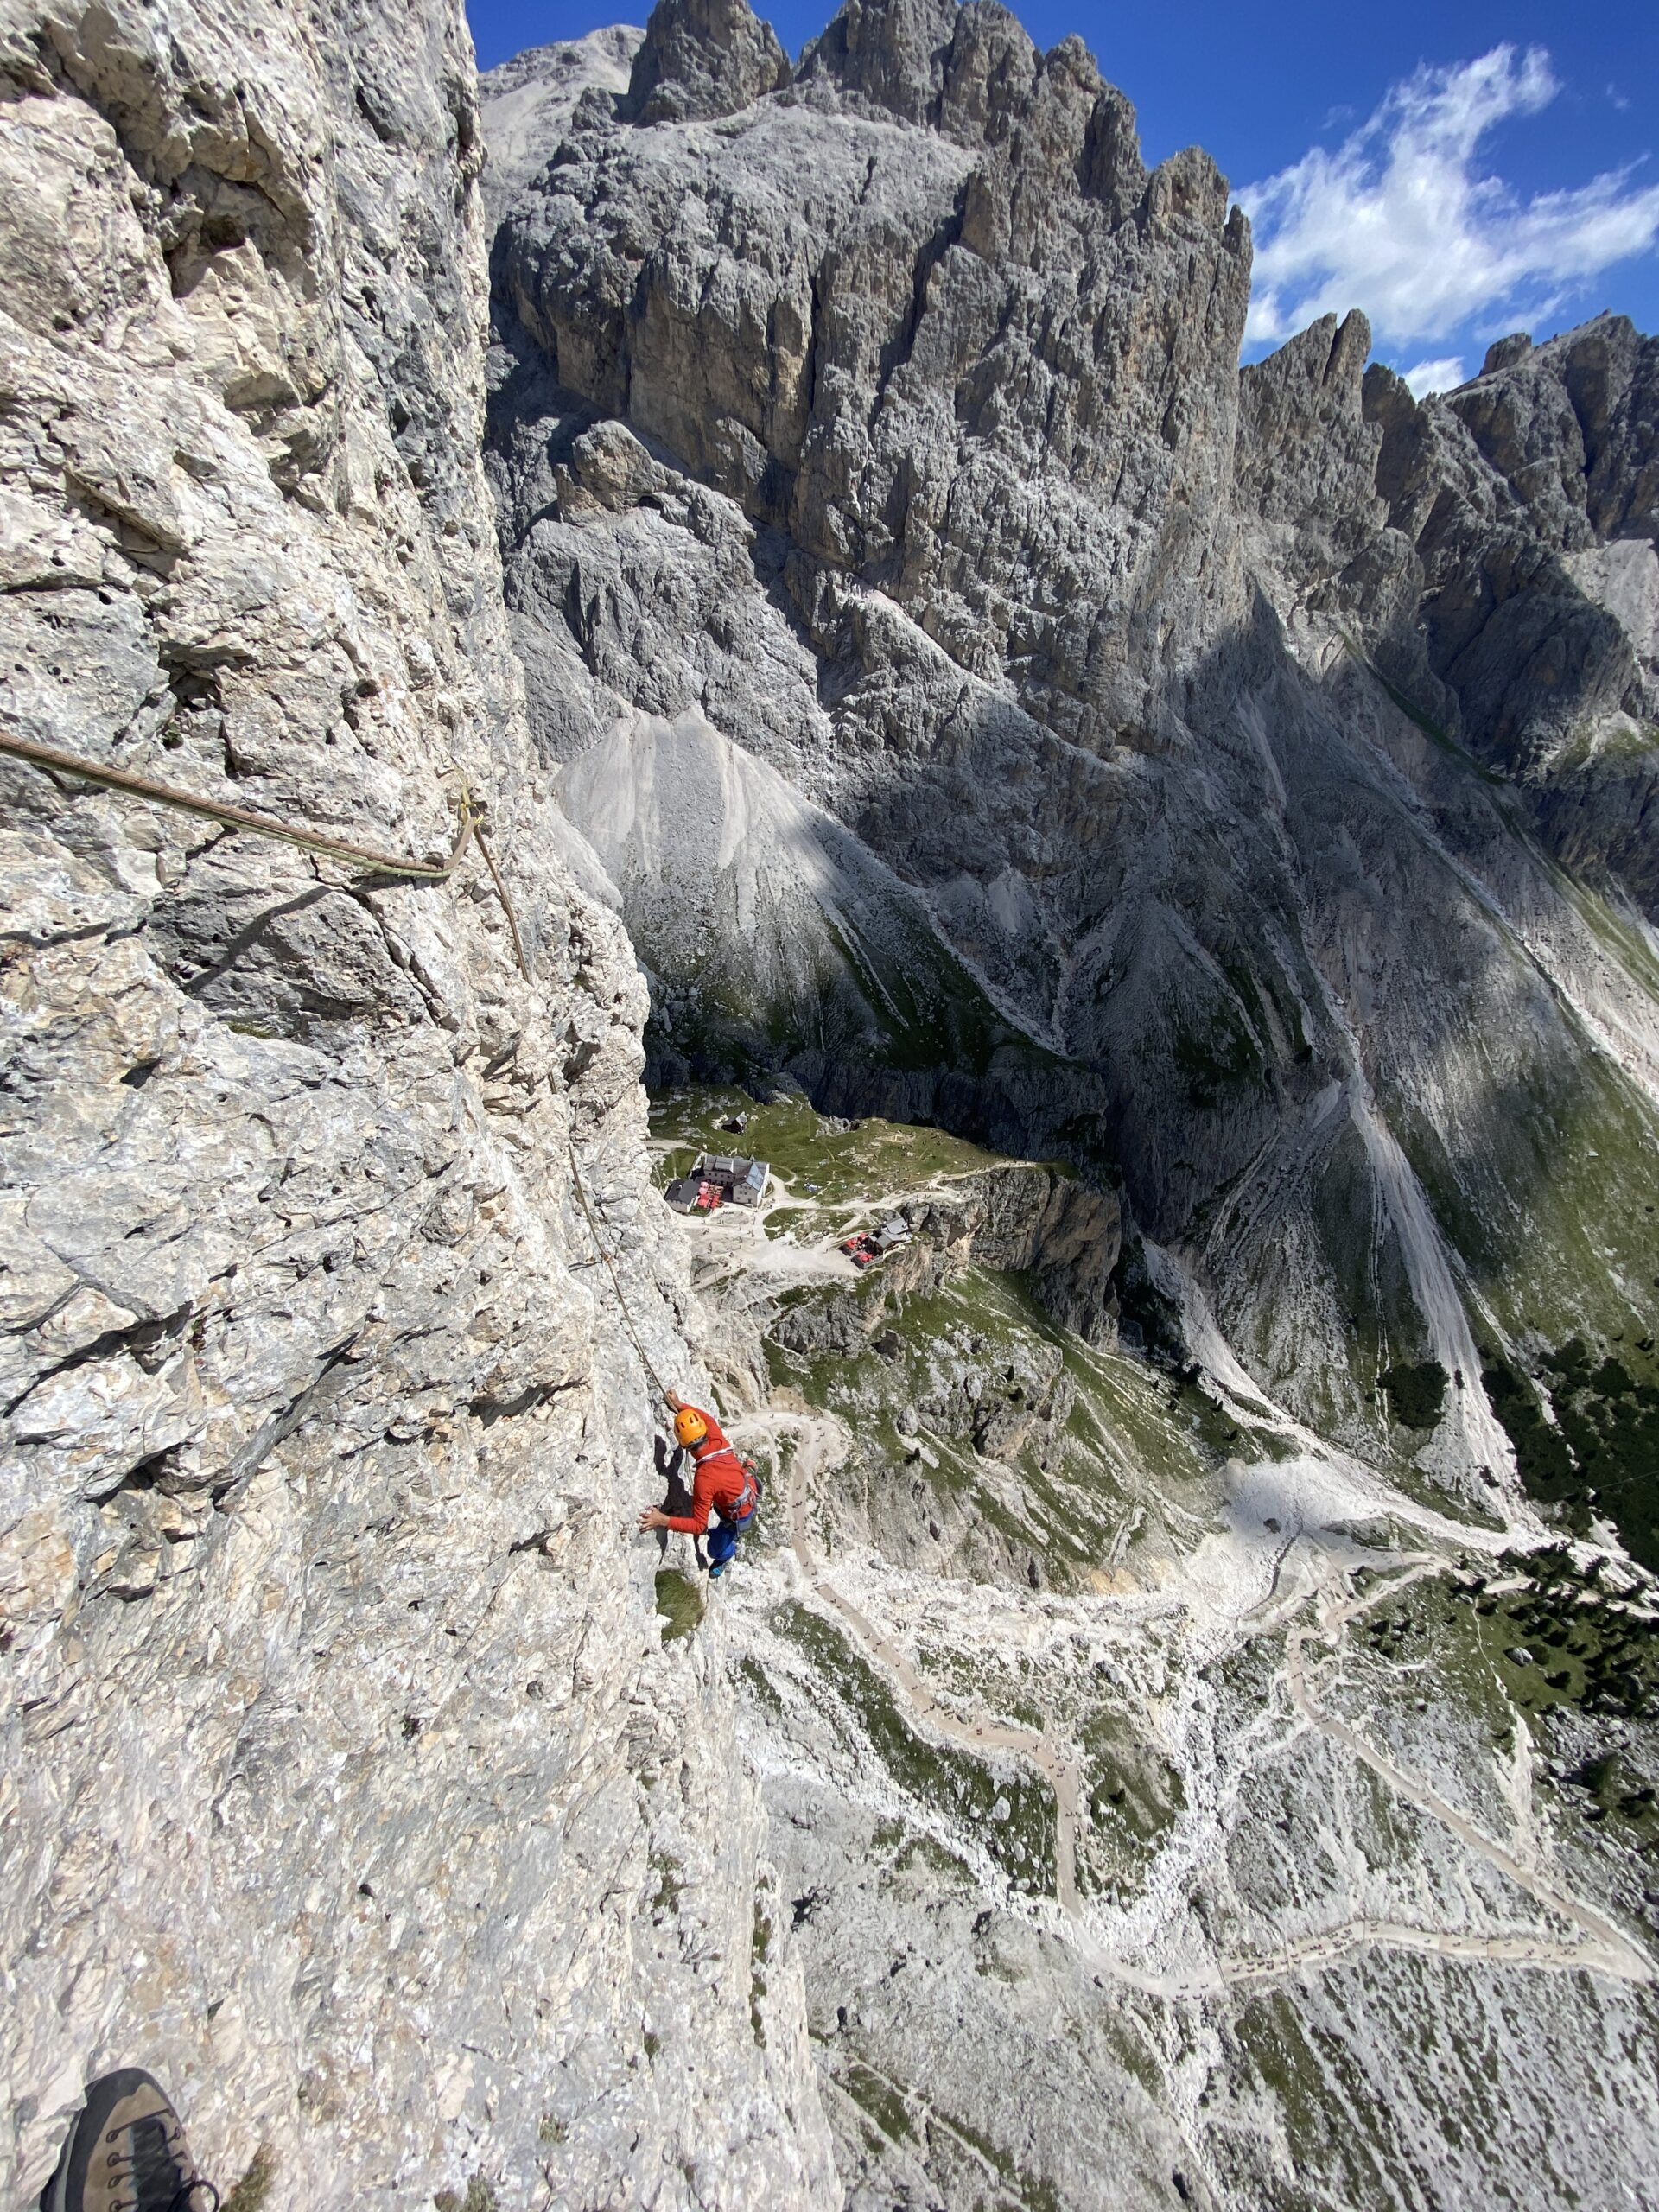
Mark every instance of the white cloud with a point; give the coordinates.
(1400, 222)
(1443, 375)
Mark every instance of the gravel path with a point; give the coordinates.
(821, 1445)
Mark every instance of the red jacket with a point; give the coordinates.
(721, 1481)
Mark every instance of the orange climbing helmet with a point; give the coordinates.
(689, 1427)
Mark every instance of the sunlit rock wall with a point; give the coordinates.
(345, 1781)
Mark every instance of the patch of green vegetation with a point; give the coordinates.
(1436, 734)
(553, 2130)
(1169, 1428)
(1541, 1457)
(878, 2098)
(850, 1163)
(1547, 1191)
(1628, 945)
(1325, 2106)
(1214, 1061)
(1066, 1526)
(947, 1781)
(784, 1369)
(933, 1012)
(952, 1472)
(1028, 2189)
(1415, 1392)
(759, 1946)
(669, 1887)
(1425, 1638)
(1271, 1004)
(921, 1849)
(1600, 1455)
(252, 2191)
(679, 1600)
(755, 1676)
(1620, 738)
(1557, 1640)
(1615, 1788)
(479, 2197)
(1133, 1793)
(1607, 1406)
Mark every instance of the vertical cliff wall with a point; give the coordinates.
(343, 1780)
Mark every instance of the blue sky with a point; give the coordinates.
(1456, 170)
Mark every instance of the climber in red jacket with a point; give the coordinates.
(722, 1485)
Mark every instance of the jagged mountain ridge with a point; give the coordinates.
(889, 419)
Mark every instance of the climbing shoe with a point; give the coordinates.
(126, 2153)
(717, 1567)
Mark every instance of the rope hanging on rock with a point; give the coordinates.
(599, 1246)
(506, 903)
(50, 761)
(48, 758)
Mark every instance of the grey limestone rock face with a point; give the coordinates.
(534, 96)
(1305, 476)
(702, 58)
(1529, 495)
(1572, 425)
(347, 1785)
(834, 316)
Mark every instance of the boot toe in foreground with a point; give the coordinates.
(126, 2148)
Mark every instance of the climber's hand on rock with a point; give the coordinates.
(653, 1518)
(673, 1400)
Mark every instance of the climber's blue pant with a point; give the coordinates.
(723, 1538)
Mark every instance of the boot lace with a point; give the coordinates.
(154, 2158)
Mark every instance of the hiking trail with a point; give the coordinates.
(821, 1445)
(1602, 1946)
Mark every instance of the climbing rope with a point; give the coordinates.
(50, 762)
(599, 1246)
(506, 903)
(47, 758)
